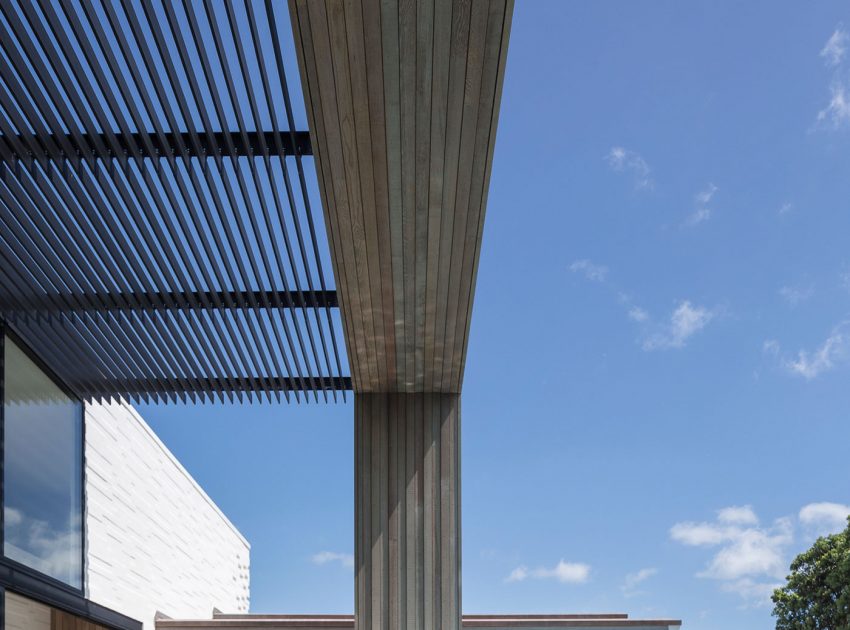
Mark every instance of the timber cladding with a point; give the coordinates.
(60, 620)
(402, 99)
(407, 552)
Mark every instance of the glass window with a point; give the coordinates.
(42, 472)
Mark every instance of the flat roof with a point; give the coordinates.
(600, 621)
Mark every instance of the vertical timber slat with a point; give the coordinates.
(402, 98)
(411, 512)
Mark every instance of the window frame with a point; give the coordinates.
(7, 331)
(21, 579)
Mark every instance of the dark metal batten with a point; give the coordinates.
(139, 144)
(134, 387)
(243, 300)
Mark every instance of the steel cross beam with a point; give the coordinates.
(169, 144)
(194, 300)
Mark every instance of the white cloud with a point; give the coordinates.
(834, 349)
(590, 270)
(786, 207)
(564, 572)
(685, 321)
(633, 580)
(637, 314)
(51, 548)
(699, 215)
(835, 48)
(517, 575)
(624, 160)
(796, 295)
(755, 593)
(750, 558)
(752, 551)
(699, 534)
(838, 110)
(771, 347)
(12, 517)
(701, 210)
(738, 515)
(825, 518)
(326, 557)
(705, 196)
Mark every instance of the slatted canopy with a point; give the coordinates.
(157, 236)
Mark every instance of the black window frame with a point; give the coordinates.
(8, 331)
(26, 581)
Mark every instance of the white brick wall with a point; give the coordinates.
(155, 540)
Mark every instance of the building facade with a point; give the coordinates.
(102, 526)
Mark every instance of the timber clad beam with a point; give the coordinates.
(403, 99)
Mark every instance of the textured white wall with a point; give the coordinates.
(155, 540)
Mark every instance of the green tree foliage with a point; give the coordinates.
(817, 594)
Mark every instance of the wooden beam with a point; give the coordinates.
(402, 99)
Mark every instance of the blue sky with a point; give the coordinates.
(655, 413)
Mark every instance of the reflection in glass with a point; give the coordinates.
(43, 471)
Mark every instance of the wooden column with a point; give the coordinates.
(407, 511)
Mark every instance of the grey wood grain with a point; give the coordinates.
(402, 100)
(412, 465)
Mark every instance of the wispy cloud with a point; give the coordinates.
(835, 48)
(786, 207)
(12, 517)
(634, 580)
(686, 320)
(590, 270)
(738, 515)
(810, 364)
(702, 210)
(756, 593)
(821, 519)
(623, 160)
(796, 295)
(332, 557)
(705, 196)
(837, 112)
(750, 558)
(564, 572)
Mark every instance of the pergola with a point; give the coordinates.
(159, 238)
